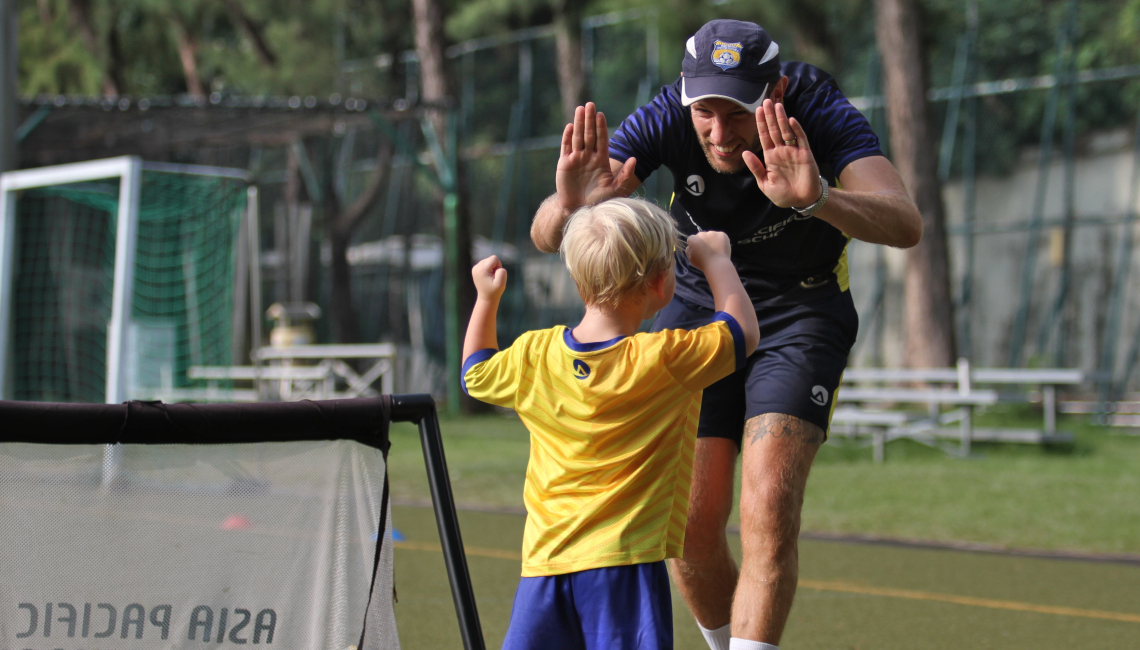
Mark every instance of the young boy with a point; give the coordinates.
(613, 418)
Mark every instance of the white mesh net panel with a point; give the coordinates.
(190, 546)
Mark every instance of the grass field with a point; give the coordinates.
(1080, 497)
(851, 596)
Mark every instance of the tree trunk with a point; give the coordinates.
(928, 311)
(340, 223)
(9, 86)
(435, 89)
(252, 32)
(113, 83)
(188, 54)
(568, 44)
(344, 323)
(81, 18)
(284, 232)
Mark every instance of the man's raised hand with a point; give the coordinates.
(788, 176)
(584, 175)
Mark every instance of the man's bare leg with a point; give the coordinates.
(706, 575)
(778, 453)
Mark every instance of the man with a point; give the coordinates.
(755, 148)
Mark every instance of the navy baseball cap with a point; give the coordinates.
(731, 60)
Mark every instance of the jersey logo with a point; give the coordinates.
(813, 282)
(819, 395)
(581, 370)
(695, 184)
(726, 55)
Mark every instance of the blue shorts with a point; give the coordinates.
(794, 371)
(619, 608)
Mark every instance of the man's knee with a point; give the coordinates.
(778, 499)
(770, 517)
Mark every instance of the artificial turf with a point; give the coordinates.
(851, 596)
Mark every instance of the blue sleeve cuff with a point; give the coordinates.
(737, 336)
(477, 358)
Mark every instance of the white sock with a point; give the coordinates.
(717, 639)
(745, 644)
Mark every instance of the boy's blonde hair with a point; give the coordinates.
(615, 248)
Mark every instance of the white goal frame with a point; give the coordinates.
(128, 169)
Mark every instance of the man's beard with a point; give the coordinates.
(719, 165)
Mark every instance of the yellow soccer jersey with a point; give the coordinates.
(613, 427)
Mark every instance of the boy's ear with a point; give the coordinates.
(657, 285)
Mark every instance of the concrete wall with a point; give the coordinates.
(1102, 190)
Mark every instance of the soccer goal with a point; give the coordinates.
(227, 525)
(118, 275)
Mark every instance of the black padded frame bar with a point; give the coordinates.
(421, 410)
(151, 423)
(364, 420)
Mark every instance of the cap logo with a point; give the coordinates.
(726, 55)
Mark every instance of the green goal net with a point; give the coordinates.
(182, 295)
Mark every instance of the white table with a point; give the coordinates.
(277, 368)
(333, 357)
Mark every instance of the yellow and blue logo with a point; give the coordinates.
(581, 370)
(726, 55)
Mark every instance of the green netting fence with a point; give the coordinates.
(182, 299)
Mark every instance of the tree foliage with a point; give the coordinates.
(241, 46)
(294, 47)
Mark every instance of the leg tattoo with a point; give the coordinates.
(779, 425)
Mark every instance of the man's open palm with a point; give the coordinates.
(788, 176)
(584, 175)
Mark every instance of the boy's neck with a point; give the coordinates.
(600, 324)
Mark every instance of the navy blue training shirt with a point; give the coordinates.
(782, 256)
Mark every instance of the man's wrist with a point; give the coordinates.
(568, 208)
(599, 195)
(566, 211)
(810, 210)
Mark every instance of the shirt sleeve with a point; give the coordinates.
(492, 376)
(653, 134)
(698, 358)
(839, 134)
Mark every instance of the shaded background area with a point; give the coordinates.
(1037, 163)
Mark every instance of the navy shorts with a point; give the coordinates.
(794, 371)
(619, 608)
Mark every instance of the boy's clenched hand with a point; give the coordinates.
(490, 278)
(706, 246)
